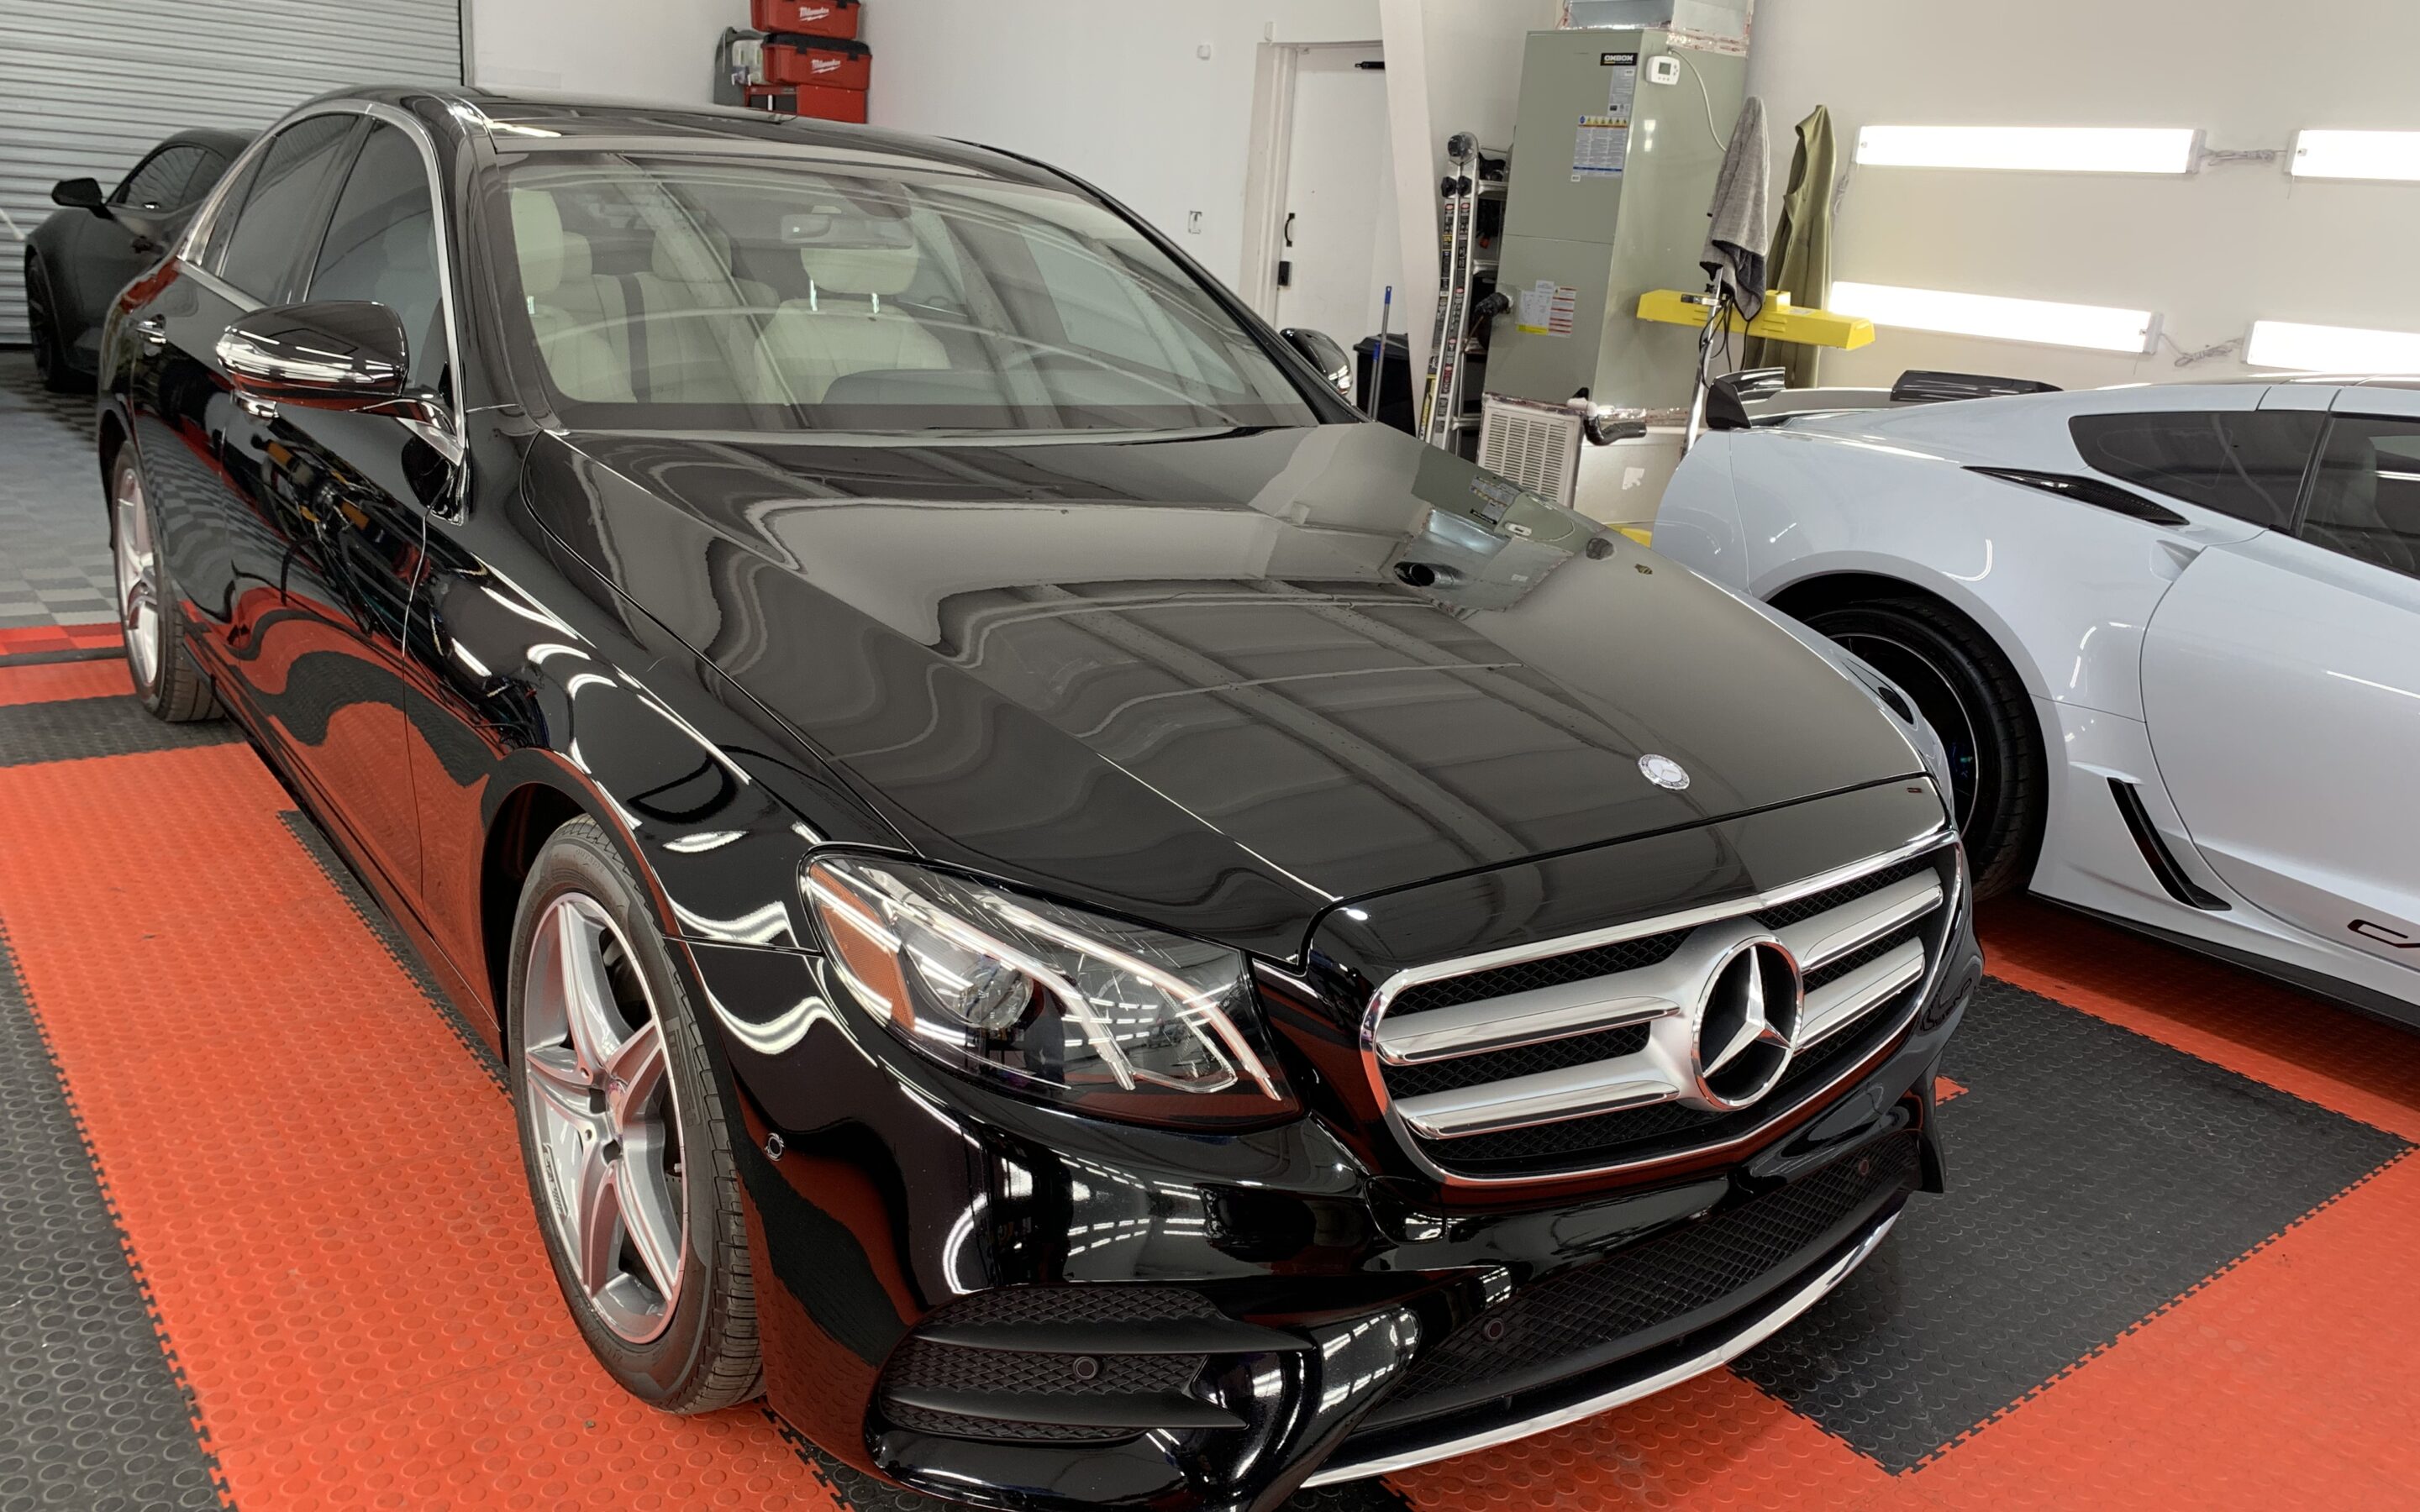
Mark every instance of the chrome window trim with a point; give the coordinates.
(1723, 1353)
(441, 223)
(219, 287)
(1943, 836)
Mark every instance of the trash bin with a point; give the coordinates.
(1394, 383)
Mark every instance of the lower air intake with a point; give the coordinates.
(1595, 1315)
(1067, 1365)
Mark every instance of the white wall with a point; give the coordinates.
(625, 49)
(1114, 91)
(2209, 253)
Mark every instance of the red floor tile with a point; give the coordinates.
(321, 1186)
(43, 682)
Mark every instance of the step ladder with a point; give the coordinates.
(1472, 228)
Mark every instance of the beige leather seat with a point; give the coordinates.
(574, 314)
(697, 323)
(844, 327)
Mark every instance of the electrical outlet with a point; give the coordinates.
(1193, 222)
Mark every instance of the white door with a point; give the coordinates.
(2281, 680)
(1339, 207)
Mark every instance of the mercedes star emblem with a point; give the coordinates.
(1746, 1026)
(1664, 772)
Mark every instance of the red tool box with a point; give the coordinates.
(808, 18)
(827, 63)
(809, 100)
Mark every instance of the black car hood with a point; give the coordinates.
(1216, 682)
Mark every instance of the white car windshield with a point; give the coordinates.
(697, 293)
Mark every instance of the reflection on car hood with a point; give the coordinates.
(1215, 682)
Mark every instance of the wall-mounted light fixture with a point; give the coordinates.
(2331, 349)
(2045, 321)
(2142, 149)
(2389, 155)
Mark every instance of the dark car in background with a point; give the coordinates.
(82, 253)
(1099, 930)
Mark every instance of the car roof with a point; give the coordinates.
(218, 139)
(527, 118)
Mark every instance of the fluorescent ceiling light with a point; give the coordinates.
(2356, 155)
(1990, 314)
(2040, 149)
(2332, 348)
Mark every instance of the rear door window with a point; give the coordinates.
(2244, 463)
(280, 212)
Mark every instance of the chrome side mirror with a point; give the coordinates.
(1320, 349)
(337, 354)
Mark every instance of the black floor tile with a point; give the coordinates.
(2095, 1177)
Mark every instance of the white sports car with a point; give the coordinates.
(2169, 635)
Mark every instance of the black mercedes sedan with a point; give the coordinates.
(1096, 929)
(98, 240)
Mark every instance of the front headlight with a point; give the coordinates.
(1109, 1017)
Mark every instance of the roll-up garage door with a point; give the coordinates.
(87, 86)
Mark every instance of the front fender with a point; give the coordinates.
(2062, 588)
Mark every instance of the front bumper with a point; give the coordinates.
(1005, 1305)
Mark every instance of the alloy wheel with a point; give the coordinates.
(1938, 698)
(604, 1118)
(138, 579)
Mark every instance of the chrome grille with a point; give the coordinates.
(1557, 1064)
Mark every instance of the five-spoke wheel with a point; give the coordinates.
(625, 1132)
(167, 679)
(138, 576)
(609, 1132)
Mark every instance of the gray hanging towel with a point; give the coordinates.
(1802, 247)
(1735, 243)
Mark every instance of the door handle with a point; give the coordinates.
(153, 330)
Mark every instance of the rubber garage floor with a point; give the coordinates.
(265, 1243)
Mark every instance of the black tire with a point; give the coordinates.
(707, 1354)
(167, 679)
(41, 319)
(1978, 706)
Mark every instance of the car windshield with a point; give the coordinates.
(747, 294)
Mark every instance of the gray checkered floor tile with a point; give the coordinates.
(54, 522)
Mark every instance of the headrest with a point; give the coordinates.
(407, 245)
(538, 241)
(848, 251)
(862, 269)
(576, 263)
(683, 259)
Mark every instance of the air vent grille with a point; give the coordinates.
(1539, 449)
